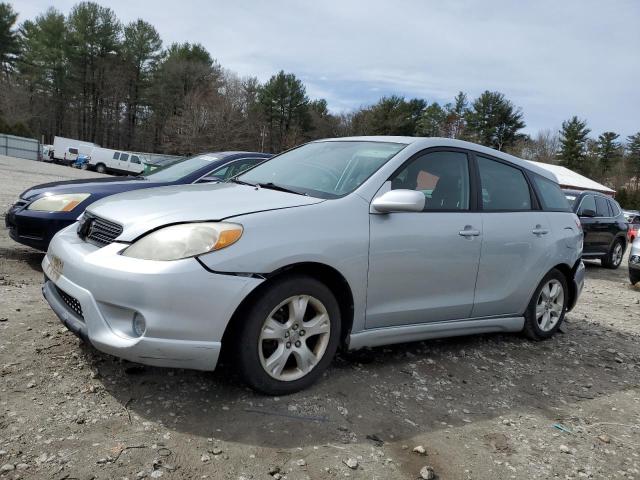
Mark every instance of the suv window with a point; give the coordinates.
(588, 203)
(602, 207)
(503, 187)
(615, 210)
(551, 196)
(443, 177)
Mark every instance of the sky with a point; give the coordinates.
(554, 59)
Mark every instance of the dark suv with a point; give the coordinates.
(604, 225)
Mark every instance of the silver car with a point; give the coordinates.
(634, 262)
(352, 242)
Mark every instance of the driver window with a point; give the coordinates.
(443, 177)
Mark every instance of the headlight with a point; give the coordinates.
(185, 240)
(59, 203)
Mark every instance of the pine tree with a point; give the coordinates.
(633, 155)
(9, 43)
(494, 121)
(608, 151)
(573, 145)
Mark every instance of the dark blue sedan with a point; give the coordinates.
(43, 210)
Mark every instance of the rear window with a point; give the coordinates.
(615, 209)
(551, 196)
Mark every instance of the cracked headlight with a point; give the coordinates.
(184, 240)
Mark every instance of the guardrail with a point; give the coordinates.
(19, 147)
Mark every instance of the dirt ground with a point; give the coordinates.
(484, 407)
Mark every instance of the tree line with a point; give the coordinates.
(87, 75)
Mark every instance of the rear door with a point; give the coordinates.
(605, 224)
(515, 240)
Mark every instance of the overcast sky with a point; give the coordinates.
(553, 58)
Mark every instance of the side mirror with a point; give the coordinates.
(210, 179)
(587, 212)
(399, 201)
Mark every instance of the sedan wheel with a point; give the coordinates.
(294, 338)
(550, 305)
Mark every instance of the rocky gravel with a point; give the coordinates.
(484, 407)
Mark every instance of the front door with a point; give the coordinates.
(423, 265)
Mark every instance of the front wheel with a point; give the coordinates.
(100, 168)
(547, 307)
(634, 276)
(613, 259)
(289, 336)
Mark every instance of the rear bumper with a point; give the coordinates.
(578, 283)
(97, 293)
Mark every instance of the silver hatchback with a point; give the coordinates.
(352, 242)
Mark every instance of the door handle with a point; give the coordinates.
(469, 232)
(539, 230)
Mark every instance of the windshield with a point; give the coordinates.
(179, 169)
(571, 198)
(324, 169)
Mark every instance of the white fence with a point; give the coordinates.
(19, 147)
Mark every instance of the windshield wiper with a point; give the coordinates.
(241, 182)
(273, 186)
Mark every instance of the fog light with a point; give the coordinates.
(139, 325)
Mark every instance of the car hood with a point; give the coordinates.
(99, 186)
(142, 210)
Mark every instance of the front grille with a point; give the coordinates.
(71, 302)
(101, 232)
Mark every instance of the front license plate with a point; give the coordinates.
(55, 268)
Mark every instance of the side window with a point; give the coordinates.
(116, 155)
(602, 207)
(443, 177)
(73, 150)
(615, 210)
(135, 159)
(588, 203)
(503, 187)
(551, 196)
(124, 157)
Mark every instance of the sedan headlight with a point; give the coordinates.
(59, 203)
(185, 240)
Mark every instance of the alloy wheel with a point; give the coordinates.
(294, 337)
(617, 254)
(550, 305)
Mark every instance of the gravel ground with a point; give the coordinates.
(484, 407)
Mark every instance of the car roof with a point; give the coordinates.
(426, 142)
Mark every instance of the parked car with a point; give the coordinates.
(45, 209)
(361, 242)
(107, 160)
(604, 226)
(634, 261)
(634, 228)
(66, 150)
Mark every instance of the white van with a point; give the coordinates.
(66, 150)
(116, 161)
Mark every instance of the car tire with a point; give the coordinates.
(100, 168)
(613, 259)
(634, 276)
(272, 344)
(546, 310)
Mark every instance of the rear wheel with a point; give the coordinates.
(547, 307)
(613, 259)
(100, 168)
(289, 336)
(634, 276)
